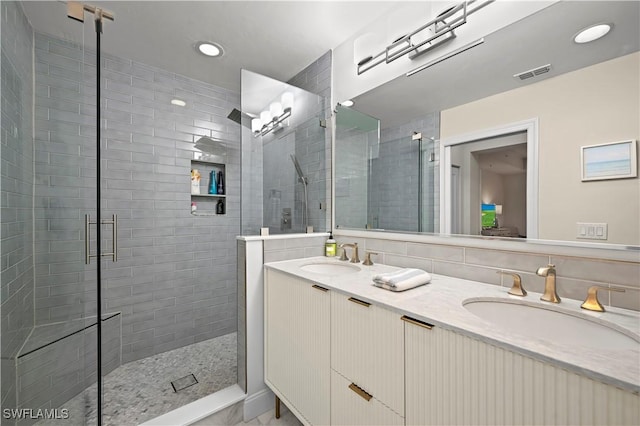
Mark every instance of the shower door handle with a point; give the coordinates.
(87, 238)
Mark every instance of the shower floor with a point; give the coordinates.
(141, 390)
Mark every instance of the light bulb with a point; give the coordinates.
(275, 108)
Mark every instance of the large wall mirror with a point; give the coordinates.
(472, 146)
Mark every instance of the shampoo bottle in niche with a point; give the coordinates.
(220, 207)
(213, 188)
(330, 246)
(220, 183)
(195, 182)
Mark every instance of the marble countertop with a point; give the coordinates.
(441, 303)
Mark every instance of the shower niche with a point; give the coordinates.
(206, 203)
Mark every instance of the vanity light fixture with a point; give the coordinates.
(274, 117)
(426, 37)
(592, 33)
(178, 102)
(445, 57)
(208, 48)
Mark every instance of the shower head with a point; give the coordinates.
(301, 176)
(240, 117)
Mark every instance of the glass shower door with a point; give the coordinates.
(54, 368)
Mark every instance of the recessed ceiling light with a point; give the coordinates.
(592, 33)
(178, 102)
(348, 103)
(208, 48)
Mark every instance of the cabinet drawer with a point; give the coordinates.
(367, 347)
(349, 406)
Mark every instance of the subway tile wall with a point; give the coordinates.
(314, 154)
(293, 248)
(574, 273)
(54, 374)
(16, 193)
(394, 185)
(175, 279)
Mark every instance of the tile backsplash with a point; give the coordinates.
(575, 274)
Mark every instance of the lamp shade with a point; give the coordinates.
(256, 125)
(275, 108)
(287, 100)
(265, 117)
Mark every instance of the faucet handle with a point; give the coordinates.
(516, 288)
(367, 258)
(592, 303)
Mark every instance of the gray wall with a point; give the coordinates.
(394, 187)
(16, 192)
(175, 280)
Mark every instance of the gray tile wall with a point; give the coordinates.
(394, 186)
(315, 156)
(574, 273)
(52, 375)
(16, 193)
(293, 248)
(175, 280)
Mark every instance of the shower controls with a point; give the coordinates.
(285, 219)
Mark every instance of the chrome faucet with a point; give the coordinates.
(549, 272)
(343, 256)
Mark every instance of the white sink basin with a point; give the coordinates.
(326, 268)
(548, 323)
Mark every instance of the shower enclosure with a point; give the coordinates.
(96, 223)
(386, 178)
(284, 157)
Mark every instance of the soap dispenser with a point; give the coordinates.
(330, 246)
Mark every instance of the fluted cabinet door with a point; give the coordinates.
(453, 379)
(297, 327)
(367, 347)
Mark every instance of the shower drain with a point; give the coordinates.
(184, 382)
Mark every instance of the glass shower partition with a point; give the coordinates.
(359, 148)
(49, 338)
(284, 157)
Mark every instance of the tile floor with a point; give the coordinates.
(141, 390)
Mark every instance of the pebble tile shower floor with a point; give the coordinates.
(141, 390)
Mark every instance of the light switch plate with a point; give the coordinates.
(591, 231)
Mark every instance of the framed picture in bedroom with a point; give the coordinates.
(613, 160)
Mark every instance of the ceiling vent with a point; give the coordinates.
(534, 72)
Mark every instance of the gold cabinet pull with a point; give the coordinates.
(361, 392)
(359, 302)
(317, 287)
(417, 322)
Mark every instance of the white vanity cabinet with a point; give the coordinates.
(297, 327)
(367, 359)
(454, 379)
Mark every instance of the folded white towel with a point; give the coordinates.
(403, 279)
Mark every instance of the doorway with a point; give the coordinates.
(469, 151)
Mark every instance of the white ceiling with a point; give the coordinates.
(274, 38)
(543, 38)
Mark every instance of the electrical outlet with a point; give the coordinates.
(591, 231)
